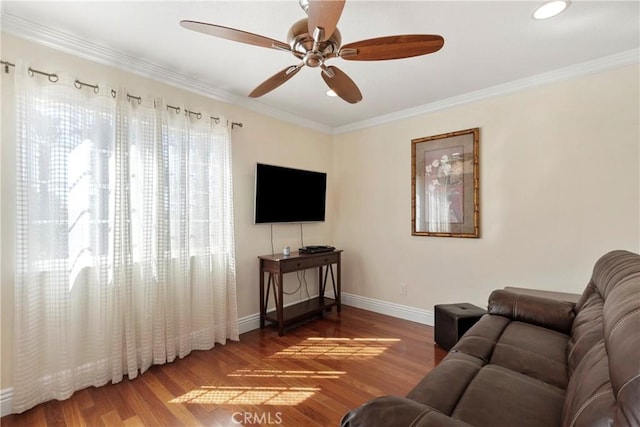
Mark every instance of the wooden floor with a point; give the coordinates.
(310, 377)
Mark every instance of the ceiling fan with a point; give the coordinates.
(316, 39)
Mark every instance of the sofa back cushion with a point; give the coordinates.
(586, 330)
(604, 367)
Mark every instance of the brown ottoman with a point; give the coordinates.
(453, 320)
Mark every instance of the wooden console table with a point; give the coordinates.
(274, 266)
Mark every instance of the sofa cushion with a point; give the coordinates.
(534, 351)
(453, 374)
(480, 340)
(498, 396)
(528, 349)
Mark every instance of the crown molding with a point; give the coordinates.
(86, 49)
(621, 59)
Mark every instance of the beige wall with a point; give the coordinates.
(559, 186)
(261, 139)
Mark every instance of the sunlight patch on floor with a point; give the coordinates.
(275, 373)
(310, 348)
(336, 348)
(231, 395)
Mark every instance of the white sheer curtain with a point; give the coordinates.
(124, 238)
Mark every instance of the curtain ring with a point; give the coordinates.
(188, 113)
(137, 98)
(7, 64)
(53, 78)
(78, 84)
(113, 93)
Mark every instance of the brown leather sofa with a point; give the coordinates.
(534, 361)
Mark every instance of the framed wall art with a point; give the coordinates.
(445, 199)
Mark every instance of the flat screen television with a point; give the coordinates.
(289, 195)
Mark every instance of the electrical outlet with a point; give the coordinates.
(403, 289)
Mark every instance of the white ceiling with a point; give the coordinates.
(487, 44)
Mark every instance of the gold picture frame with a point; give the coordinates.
(445, 187)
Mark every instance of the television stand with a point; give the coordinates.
(274, 266)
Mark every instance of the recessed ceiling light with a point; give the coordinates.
(550, 9)
(330, 92)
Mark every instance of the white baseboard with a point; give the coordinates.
(389, 308)
(6, 401)
(249, 323)
(252, 321)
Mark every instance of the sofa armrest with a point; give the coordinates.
(560, 296)
(545, 312)
(398, 412)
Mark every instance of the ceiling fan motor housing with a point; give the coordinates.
(302, 44)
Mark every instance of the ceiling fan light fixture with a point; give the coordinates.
(331, 93)
(550, 9)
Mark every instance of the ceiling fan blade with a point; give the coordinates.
(341, 84)
(392, 47)
(235, 35)
(276, 80)
(325, 15)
